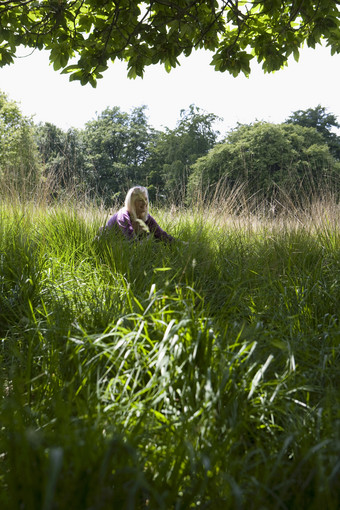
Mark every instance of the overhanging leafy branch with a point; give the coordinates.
(159, 31)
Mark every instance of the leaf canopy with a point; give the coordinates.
(92, 33)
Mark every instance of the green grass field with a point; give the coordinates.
(200, 375)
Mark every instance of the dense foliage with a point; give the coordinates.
(148, 376)
(117, 150)
(265, 157)
(62, 155)
(117, 146)
(150, 32)
(173, 152)
(321, 120)
(20, 167)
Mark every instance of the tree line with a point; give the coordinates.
(118, 149)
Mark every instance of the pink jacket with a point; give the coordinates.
(123, 220)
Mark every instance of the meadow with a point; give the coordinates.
(202, 374)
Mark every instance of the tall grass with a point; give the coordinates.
(199, 375)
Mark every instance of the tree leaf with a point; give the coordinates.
(98, 32)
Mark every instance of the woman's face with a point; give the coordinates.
(141, 205)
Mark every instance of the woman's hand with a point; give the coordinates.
(139, 227)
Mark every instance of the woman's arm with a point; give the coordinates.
(157, 231)
(123, 221)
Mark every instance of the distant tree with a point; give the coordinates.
(20, 167)
(264, 157)
(150, 32)
(116, 145)
(321, 120)
(174, 151)
(63, 156)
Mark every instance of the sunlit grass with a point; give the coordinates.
(198, 375)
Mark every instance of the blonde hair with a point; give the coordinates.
(130, 198)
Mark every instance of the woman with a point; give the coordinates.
(134, 220)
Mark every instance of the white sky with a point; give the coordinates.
(49, 96)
